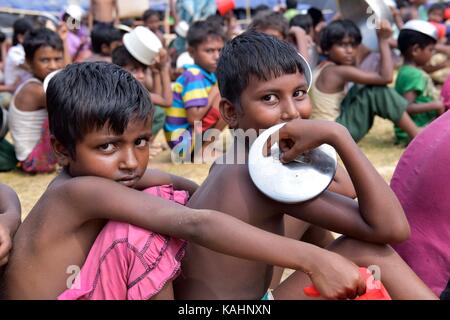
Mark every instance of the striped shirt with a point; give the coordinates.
(191, 89)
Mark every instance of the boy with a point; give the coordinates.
(195, 93)
(274, 24)
(104, 40)
(152, 20)
(414, 84)
(28, 118)
(103, 12)
(16, 71)
(262, 84)
(156, 80)
(100, 135)
(369, 95)
(9, 222)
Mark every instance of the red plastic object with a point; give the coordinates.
(223, 6)
(374, 288)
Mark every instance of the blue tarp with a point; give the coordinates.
(47, 5)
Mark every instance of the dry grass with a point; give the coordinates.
(377, 145)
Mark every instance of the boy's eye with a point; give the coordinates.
(269, 98)
(299, 93)
(107, 147)
(141, 142)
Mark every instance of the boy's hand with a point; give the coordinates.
(336, 277)
(162, 59)
(385, 30)
(5, 244)
(299, 136)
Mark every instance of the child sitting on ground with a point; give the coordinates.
(9, 222)
(412, 82)
(156, 79)
(369, 96)
(28, 118)
(262, 84)
(100, 135)
(195, 92)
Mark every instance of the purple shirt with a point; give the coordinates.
(422, 184)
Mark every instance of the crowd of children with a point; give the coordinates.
(91, 99)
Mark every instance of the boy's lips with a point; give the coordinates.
(128, 181)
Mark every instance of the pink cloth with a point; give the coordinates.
(42, 158)
(445, 93)
(421, 181)
(127, 262)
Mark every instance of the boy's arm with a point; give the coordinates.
(414, 107)
(31, 97)
(117, 14)
(153, 177)
(378, 218)
(342, 183)
(88, 198)
(9, 220)
(162, 93)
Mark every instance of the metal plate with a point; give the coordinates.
(300, 180)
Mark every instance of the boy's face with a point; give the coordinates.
(122, 158)
(137, 71)
(45, 61)
(423, 56)
(267, 103)
(436, 15)
(206, 54)
(152, 23)
(344, 52)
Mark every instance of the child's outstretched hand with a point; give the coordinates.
(5, 244)
(299, 136)
(337, 278)
(385, 30)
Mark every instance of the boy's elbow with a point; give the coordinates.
(396, 233)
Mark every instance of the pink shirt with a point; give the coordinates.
(422, 184)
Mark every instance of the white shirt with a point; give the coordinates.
(14, 59)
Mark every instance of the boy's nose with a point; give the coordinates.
(289, 112)
(129, 160)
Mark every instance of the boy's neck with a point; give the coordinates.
(410, 62)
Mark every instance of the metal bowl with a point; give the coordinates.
(300, 180)
(365, 14)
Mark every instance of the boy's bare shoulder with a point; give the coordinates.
(31, 97)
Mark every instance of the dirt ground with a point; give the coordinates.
(377, 145)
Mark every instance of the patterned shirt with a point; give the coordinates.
(191, 89)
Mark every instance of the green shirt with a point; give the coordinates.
(410, 78)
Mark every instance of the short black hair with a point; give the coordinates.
(104, 34)
(150, 13)
(201, 31)
(254, 54)
(291, 4)
(436, 6)
(83, 97)
(122, 57)
(2, 37)
(39, 38)
(303, 21)
(270, 20)
(21, 27)
(336, 31)
(316, 15)
(408, 38)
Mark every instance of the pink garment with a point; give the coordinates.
(42, 158)
(445, 93)
(421, 181)
(127, 262)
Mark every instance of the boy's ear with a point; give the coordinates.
(61, 153)
(190, 50)
(415, 50)
(228, 112)
(105, 49)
